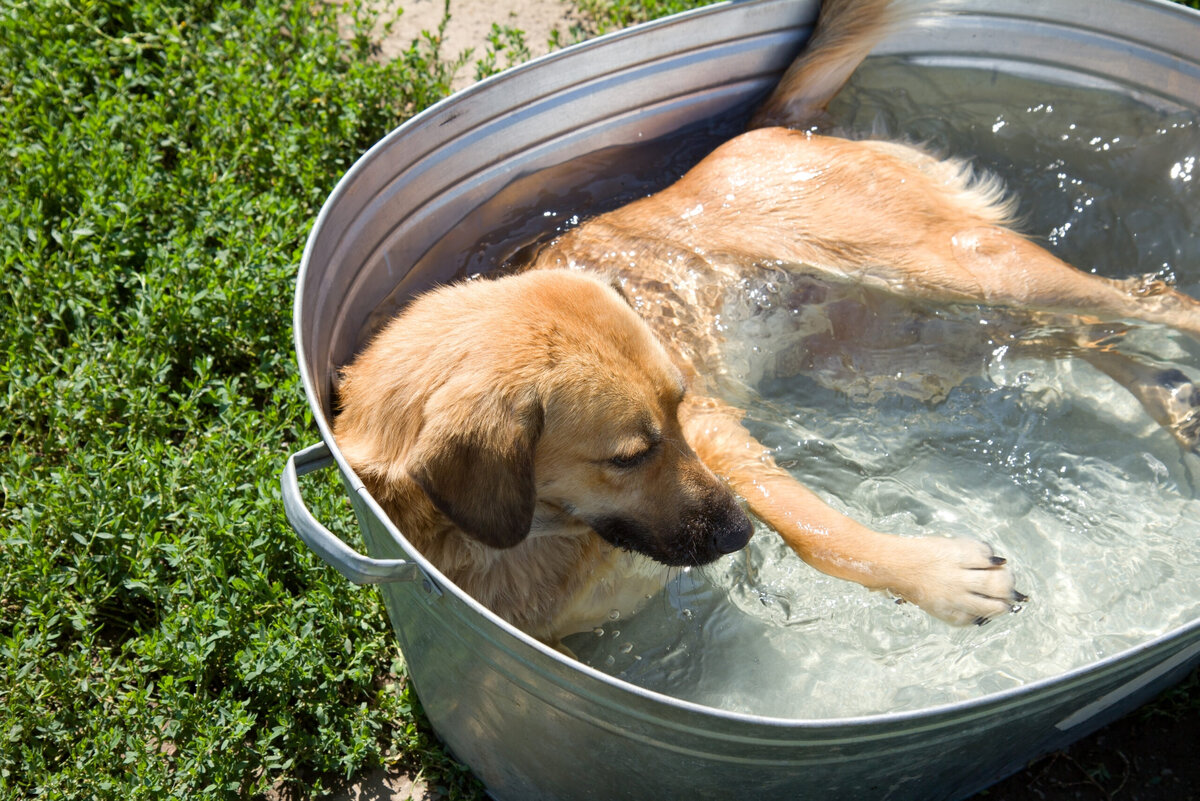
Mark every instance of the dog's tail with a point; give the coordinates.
(845, 33)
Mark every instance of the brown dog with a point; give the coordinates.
(552, 450)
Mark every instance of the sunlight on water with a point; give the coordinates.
(1051, 462)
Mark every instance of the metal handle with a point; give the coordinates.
(350, 563)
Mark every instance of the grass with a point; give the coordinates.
(162, 632)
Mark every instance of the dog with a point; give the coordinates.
(557, 439)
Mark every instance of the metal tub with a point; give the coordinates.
(530, 722)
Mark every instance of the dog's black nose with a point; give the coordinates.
(733, 534)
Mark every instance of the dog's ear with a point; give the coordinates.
(615, 286)
(474, 459)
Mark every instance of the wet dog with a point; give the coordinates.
(555, 440)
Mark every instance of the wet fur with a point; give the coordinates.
(532, 437)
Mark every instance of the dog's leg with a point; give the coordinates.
(958, 580)
(1169, 396)
(997, 267)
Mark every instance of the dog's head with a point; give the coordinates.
(549, 395)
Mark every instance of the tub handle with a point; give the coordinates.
(350, 563)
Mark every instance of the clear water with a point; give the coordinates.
(1053, 464)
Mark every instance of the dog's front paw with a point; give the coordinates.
(957, 580)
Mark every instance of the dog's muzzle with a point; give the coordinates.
(707, 533)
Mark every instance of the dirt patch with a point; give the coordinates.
(385, 785)
(471, 24)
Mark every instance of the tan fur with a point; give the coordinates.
(486, 418)
(490, 443)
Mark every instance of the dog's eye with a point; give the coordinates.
(631, 460)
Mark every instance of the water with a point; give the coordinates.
(1053, 464)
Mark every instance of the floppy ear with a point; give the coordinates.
(474, 459)
(615, 286)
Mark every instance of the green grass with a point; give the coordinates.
(163, 633)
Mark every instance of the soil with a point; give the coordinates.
(1150, 755)
(470, 23)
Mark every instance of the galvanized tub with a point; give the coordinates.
(530, 722)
